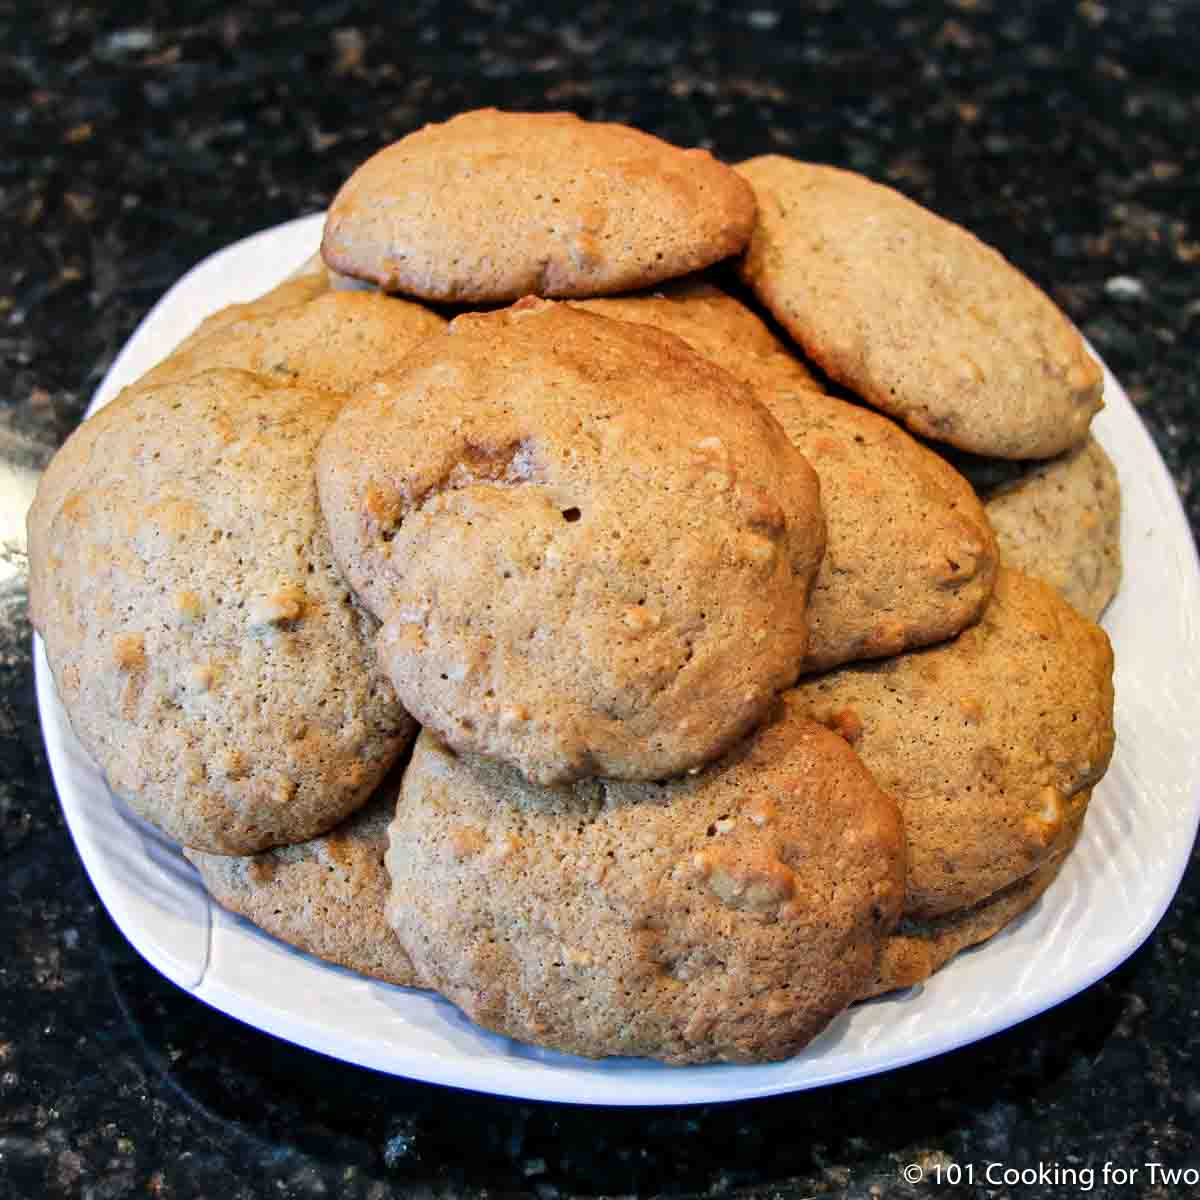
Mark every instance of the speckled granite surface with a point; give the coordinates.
(138, 138)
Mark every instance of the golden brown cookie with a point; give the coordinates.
(990, 743)
(326, 896)
(1062, 522)
(591, 548)
(915, 314)
(208, 653)
(298, 289)
(491, 206)
(715, 325)
(918, 949)
(723, 916)
(910, 558)
(334, 340)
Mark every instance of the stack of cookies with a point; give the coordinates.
(734, 700)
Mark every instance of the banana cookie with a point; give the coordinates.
(208, 653)
(334, 340)
(910, 558)
(716, 325)
(491, 206)
(1062, 522)
(990, 743)
(919, 949)
(591, 549)
(304, 284)
(915, 314)
(326, 896)
(723, 916)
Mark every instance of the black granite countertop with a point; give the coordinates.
(138, 137)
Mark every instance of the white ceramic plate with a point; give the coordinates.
(1110, 895)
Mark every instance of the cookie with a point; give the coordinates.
(325, 897)
(915, 314)
(910, 557)
(715, 325)
(918, 949)
(990, 743)
(334, 340)
(1062, 522)
(207, 652)
(491, 206)
(591, 548)
(725, 916)
(303, 286)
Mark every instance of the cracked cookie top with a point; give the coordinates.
(724, 916)
(591, 549)
(491, 206)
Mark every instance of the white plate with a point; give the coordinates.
(1110, 895)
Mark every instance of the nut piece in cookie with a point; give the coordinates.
(208, 653)
(591, 549)
(915, 314)
(724, 916)
(990, 743)
(491, 206)
(325, 896)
